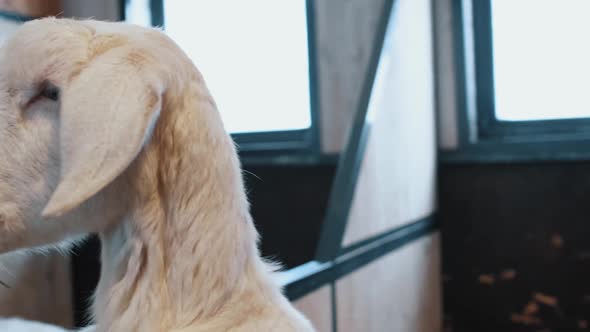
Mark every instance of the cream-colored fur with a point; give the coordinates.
(135, 150)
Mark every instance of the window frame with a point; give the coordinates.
(480, 137)
(491, 128)
(271, 146)
(15, 17)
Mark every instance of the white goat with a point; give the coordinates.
(109, 128)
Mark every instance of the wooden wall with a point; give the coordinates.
(345, 34)
(448, 134)
(288, 205)
(399, 292)
(402, 290)
(40, 287)
(516, 255)
(317, 307)
(397, 177)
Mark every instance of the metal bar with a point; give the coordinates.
(313, 275)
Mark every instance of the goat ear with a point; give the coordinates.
(106, 115)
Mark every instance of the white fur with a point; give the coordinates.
(19, 325)
(134, 150)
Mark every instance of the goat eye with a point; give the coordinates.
(50, 91)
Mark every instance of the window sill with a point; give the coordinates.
(511, 152)
(286, 158)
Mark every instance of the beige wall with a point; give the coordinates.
(40, 287)
(397, 185)
(447, 98)
(399, 292)
(397, 181)
(317, 307)
(345, 34)
(448, 124)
